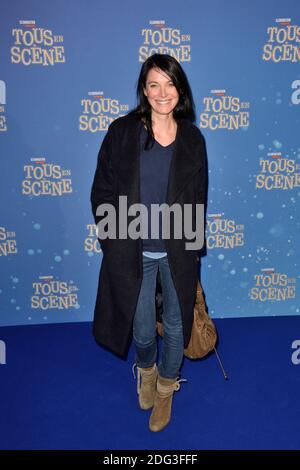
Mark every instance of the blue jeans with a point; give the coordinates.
(144, 323)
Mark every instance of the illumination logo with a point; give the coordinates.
(222, 111)
(278, 172)
(158, 38)
(49, 293)
(98, 112)
(36, 46)
(45, 179)
(270, 285)
(283, 42)
(223, 232)
(8, 242)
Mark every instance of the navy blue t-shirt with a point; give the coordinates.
(154, 174)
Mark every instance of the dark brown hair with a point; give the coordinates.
(185, 107)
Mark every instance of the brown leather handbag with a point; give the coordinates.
(204, 334)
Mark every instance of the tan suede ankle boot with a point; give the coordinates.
(161, 412)
(146, 386)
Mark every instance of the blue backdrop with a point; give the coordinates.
(70, 67)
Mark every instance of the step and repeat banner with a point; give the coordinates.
(70, 67)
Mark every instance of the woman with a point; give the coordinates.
(153, 155)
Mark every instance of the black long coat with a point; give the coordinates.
(121, 272)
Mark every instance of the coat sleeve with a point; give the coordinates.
(201, 188)
(202, 180)
(103, 184)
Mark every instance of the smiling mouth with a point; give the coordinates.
(163, 102)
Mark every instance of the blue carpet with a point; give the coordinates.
(60, 390)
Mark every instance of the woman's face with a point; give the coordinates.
(161, 92)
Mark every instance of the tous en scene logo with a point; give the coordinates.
(163, 40)
(45, 179)
(36, 46)
(222, 111)
(223, 233)
(8, 242)
(283, 42)
(51, 294)
(270, 285)
(98, 112)
(278, 172)
(91, 243)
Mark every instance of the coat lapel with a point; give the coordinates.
(185, 162)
